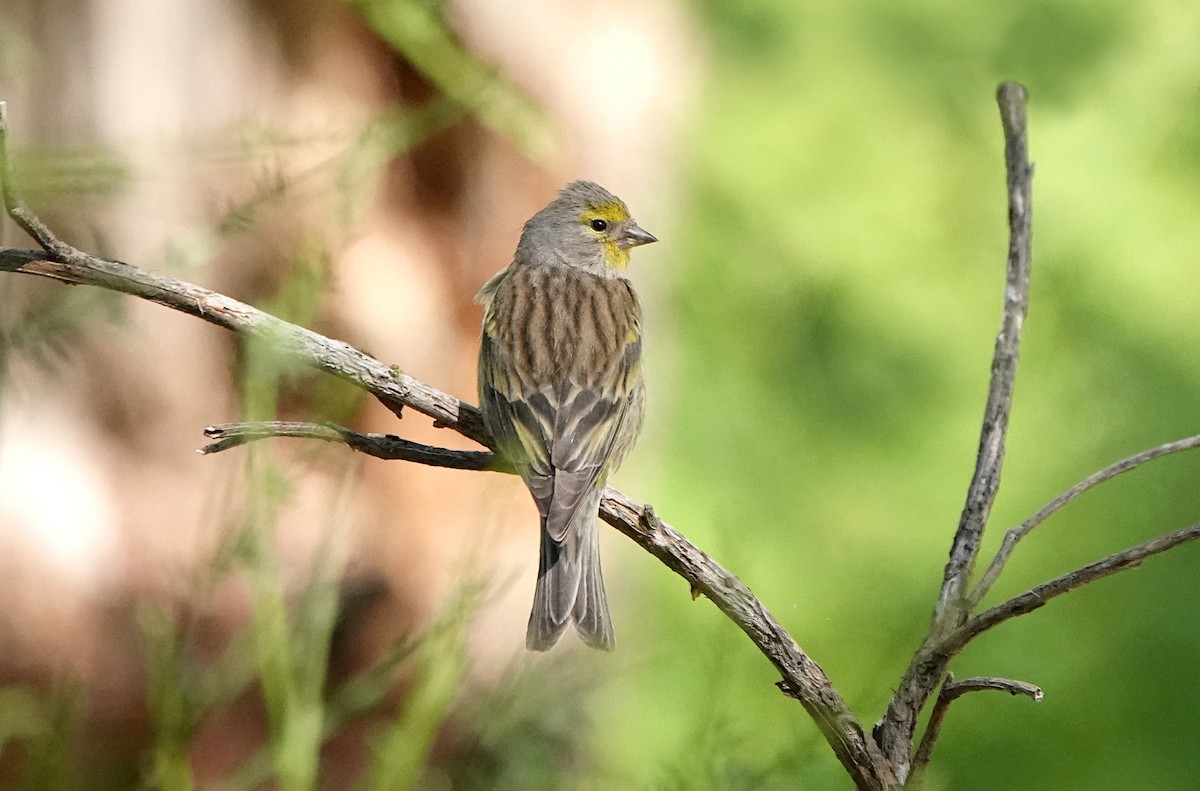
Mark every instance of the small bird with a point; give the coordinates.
(560, 383)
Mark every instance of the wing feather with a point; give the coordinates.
(567, 428)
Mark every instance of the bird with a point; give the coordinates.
(561, 390)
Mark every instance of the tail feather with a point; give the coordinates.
(554, 596)
(590, 612)
(570, 588)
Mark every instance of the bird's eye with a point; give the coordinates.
(599, 225)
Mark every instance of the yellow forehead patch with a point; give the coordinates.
(611, 210)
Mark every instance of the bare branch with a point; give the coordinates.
(895, 731)
(951, 690)
(802, 677)
(15, 205)
(1036, 597)
(877, 761)
(954, 689)
(381, 446)
(934, 657)
(986, 481)
(1017, 533)
(392, 387)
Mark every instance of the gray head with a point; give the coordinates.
(585, 226)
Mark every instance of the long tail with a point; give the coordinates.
(570, 588)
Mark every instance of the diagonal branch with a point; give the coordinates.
(1038, 596)
(802, 677)
(1017, 533)
(880, 760)
(934, 657)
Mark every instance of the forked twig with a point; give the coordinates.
(986, 479)
(895, 731)
(802, 677)
(1049, 509)
(381, 446)
(951, 691)
(14, 204)
(1037, 596)
(882, 760)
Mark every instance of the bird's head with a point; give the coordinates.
(585, 226)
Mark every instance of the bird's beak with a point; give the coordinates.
(635, 235)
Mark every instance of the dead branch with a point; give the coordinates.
(986, 480)
(952, 690)
(1017, 533)
(895, 731)
(1036, 597)
(883, 759)
(802, 677)
(381, 446)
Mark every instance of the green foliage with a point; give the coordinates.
(416, 29)
(402, 749)
(22, 714)
(51, 739)
(40, 326)
(46, 174)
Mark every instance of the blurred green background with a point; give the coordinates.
(823, 309)
(835, 304)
